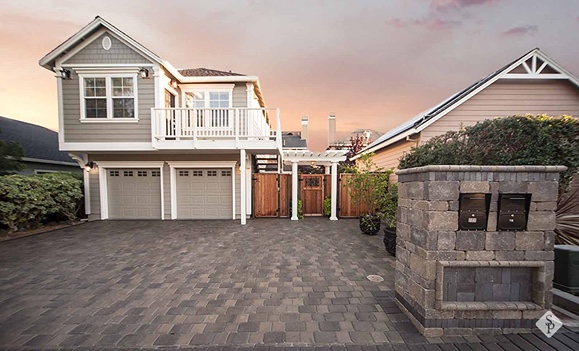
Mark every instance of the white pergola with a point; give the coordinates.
(324, 158)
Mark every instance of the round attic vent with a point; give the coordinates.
(107, 43)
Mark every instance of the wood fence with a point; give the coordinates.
(272, 195)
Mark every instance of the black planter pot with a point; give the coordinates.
(370, 224)
(390, 240)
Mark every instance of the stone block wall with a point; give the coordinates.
(464, 282)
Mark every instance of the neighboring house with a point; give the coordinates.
(532, 84)
(40, 147)
(161, 142)
(367, 136)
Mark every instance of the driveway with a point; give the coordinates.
(152, 284)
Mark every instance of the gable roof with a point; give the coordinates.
(197, 75)
(37, 142)
(206, 72)
(419, 122)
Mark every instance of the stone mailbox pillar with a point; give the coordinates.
(455, 281)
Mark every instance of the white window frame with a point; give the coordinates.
(109, 97)
(206, 89)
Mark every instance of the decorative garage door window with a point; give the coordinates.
(183, 173)
(127, 173)
(226, 173)
(197, 173)
(114, 173)
(212, 173)
(141, 173)
(155, 173)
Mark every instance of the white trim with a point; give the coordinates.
(173, 165)
(87, 29)
(109, 95)
(243, 187)
(209, 87)
(107, 146)
(103, 186)
(60, 105)
(564, 74)
(212, 79)
(83, 44)
(106, 66)
(103, 71)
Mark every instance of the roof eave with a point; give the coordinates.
(48, 60)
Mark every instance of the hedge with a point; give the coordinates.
(26, 201)
(515, 140)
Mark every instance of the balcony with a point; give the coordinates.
(216, 128)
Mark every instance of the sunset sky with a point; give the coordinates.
(373, 63)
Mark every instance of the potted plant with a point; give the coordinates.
(389, 210)
(368, 184)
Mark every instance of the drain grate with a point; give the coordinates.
(375, 278)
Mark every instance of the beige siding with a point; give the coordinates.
(505, 99)
(94, 177)
(75, 131)
(94, 53)
(389, 156)
(239, 95)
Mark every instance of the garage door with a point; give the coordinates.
(134, 193)
(204, 193)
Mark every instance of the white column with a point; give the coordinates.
(326, 169)
(294, 191)
(243, 189)
(334, 201)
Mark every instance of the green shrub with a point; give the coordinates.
(368, 183)
(25, 201)
(516, 140)
(389, 206)
(327, 206)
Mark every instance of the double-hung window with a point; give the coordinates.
(213, 107)
(108, 97)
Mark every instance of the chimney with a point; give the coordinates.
(305, 128)
(331, 129)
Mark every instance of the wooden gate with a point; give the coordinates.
(265, 195)
(312, 194)
(271, 195)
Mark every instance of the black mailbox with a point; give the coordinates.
(474, 209)
(513, 211)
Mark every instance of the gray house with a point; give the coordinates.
(40, 146)
(158, 142)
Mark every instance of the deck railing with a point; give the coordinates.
(173, 124)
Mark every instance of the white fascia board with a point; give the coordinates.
(87, 29)
(560, 68)
(130, 164)
(219, 79)
(387, 142)
(84, 147)
(202, 164)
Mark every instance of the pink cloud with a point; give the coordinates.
(428, 23)
(445, 4)
(522, 31)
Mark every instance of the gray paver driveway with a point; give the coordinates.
(148, 283)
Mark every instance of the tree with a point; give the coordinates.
(10, 157)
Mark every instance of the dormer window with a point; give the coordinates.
(108, 97)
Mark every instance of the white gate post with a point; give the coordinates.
(294, 191)
(334, 197)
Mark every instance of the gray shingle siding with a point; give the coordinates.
(75, 131)
(119, 53)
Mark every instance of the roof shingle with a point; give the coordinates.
(206, 72)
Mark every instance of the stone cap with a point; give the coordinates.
(469, 168)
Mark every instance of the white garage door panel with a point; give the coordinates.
(134, 193)
(204, 194)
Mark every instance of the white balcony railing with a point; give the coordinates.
(227, 124)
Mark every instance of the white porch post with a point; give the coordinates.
(294, 191)
(334, 197)
(243, 189)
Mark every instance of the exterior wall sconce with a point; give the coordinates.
(89, 166)
(144, 72)
(64, 73)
